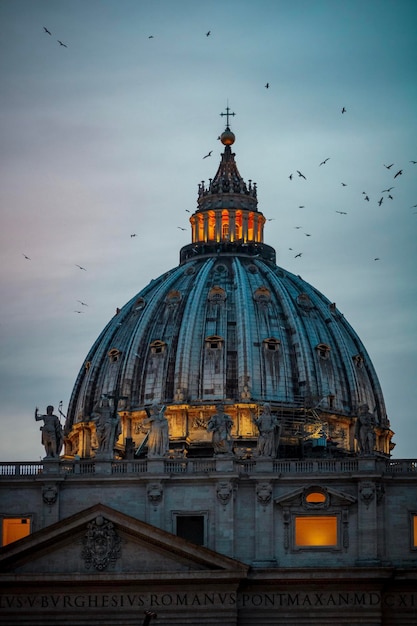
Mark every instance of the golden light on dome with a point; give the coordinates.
(227, 138)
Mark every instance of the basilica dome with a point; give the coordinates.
(227, 325)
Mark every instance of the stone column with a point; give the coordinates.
(264, 525)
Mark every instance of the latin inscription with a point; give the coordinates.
(288, 600)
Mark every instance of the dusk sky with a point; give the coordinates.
(104, 136)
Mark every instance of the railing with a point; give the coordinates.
(84, 468)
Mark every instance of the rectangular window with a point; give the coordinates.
(414, 531)
(14, 528)
(191, 528)
(316, 531)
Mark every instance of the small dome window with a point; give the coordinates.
(358, 360)
(158, 347)
(303, 301)
(214, 342)
(253, 269)
(271, 344)
(323, 350)
(114, 355)
(139, 304)
(217, 295)
(262, 295)
(173, 297)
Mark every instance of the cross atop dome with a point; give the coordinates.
(227, 114)
(227, 137)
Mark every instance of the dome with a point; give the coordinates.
(227, 325)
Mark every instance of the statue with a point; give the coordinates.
(365, 430)
(220, 424)
(158, 437)
(108, 427)
(269, 427)
(52, 434)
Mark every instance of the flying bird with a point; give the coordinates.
(26, 257)
(341, 212)
(381, 200)
(270, 219)
(297, 227)
(390, 197)
(366, 198)
(81, 268)
(377, 258)
(62, 44)
(267, 86)
(388, 166)
(47, 31)
(343, 184)
(413, 162)
(180, 227)
(307, 234)
(133, 235)
(77, 311)
(398, 173)
(207, 155)
(83, 303)
(387, 190)
(301, 206)
(208, 33)
(343, 110)
(301, 175)
(324, 162)
(187, 211)
(290, 176)
(297, 255)
(150, 37)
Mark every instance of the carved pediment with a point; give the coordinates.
(102, 541)
(332, 497)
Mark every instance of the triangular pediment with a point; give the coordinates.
(102, 541)
(335, 497)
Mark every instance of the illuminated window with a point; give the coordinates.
(14, 528)
(316, 497)
(414, 531)
(316, 531)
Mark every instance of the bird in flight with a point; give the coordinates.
(26, 257)
(47, 31)
(150, 37)
(297, 255)
(390, 197)
(297, 227)
(387, 190)
(343, 184)
(77, 311)
(270, 219)
(325, 161)
(207, 155)
(301, 175)
(413, 162)
(343, 110)
(377, 258)
(83, 303)
(133, 235)
(388, 166)
(398, 173)
(290, 176)
(366, 198)
(341, 212)
(301, 206)
(208, 33)
(81, 268)
(267, 86)
(381, 200)
(62, 44)
(307, 234)
(180, 227)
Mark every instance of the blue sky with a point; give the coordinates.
(105, 138)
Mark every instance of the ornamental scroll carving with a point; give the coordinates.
(101, 544)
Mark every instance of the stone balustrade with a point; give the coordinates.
(77, 468)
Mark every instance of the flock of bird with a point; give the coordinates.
(300, 175)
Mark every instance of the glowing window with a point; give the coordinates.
(15, 528)
(158, 347)
(315, 497)
(214, 342)
(315, 531)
